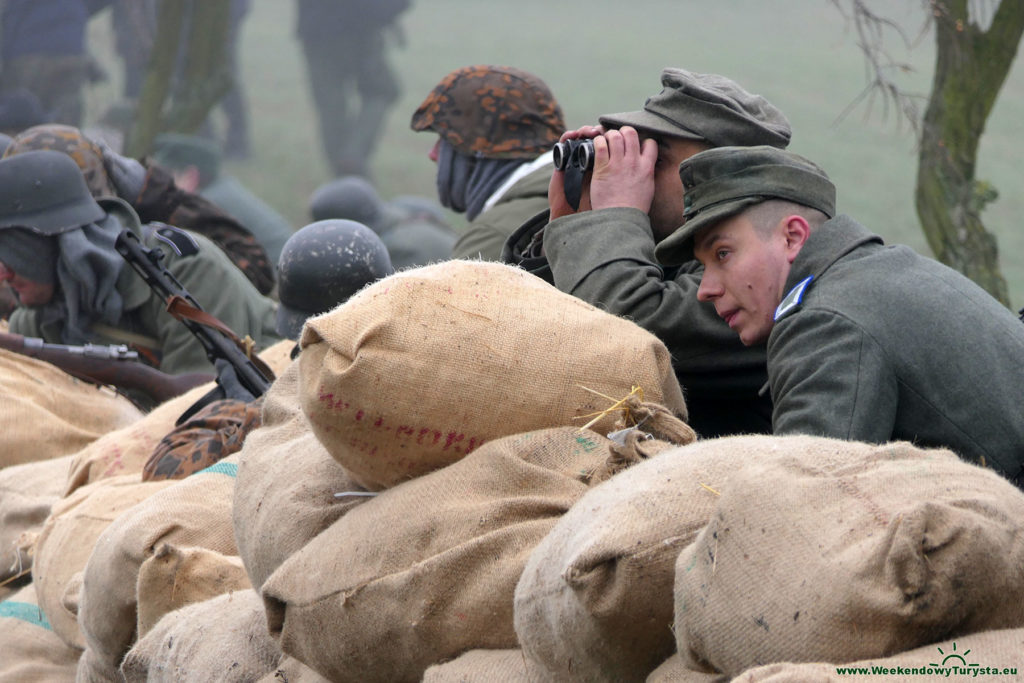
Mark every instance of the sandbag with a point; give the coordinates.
(27, 492)
(194, 512)
(426, 570)
(174, 577)
(286, 486)
(675, 670)
(221, 639)
(507, 666)
(883, 554)
(68, 538)
(48, 413)
(987, 656)
(595, 598)
(422, 367)
(291, 670)
(30, 652)
(126, 451)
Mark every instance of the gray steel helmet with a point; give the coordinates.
(45, 192)
(352, 197)
(321, 266)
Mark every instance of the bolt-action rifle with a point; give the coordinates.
(115, 365)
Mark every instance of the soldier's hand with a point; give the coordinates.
(623, 170)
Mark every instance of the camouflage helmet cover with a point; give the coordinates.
(497, 112)
(71, 141)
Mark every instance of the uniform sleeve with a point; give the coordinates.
(24, 321)
(222, 290)
(829, 378)
(606, 258)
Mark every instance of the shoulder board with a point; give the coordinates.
(793, 298)
(177, 239)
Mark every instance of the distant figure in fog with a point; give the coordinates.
(43, 50)
(414, 233)
(352, 83)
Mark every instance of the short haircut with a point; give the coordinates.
(765, 215)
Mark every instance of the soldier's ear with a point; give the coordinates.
(796, 230)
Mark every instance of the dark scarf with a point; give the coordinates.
(465, 183)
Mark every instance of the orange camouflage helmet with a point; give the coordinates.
(497, 112)
(71, 141)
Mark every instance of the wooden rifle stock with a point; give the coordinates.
(114, 365)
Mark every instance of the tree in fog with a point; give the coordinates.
(976, 42)
(189, 45)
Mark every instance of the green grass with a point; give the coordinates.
(600, 56)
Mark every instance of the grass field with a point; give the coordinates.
(600, 56)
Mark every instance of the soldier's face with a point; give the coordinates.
(29, 292)
(666, 212)
(745, 271)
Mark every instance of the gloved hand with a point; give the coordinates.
(127, 174)
(228, 380)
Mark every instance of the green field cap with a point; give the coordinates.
(707, 107)
(722, 182)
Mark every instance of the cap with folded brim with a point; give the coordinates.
(722, 182)
(706, 107)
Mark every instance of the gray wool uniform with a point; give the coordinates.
(606, 257)
(878, 343)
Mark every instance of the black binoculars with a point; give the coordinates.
(573, 153)
(575, 158)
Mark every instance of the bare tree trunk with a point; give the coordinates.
(162, 61)
(970, 68)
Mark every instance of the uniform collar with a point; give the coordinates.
(832, 241)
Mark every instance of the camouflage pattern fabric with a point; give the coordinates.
(68, 139)
(212, 434)
(497, 112)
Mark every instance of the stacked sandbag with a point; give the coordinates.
(595, 598)
(27, 493)
(988, 656)
(426, 570)
(507, 666)
(676, 670)
(68, 538)
(222, 639)
(125, 451)
(287, 485)
(194, 513)
(884, 554)
(292, 670)
(30, 652)
(48, 413)
(175, 577)
(421, 368)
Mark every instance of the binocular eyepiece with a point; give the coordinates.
(573, 154)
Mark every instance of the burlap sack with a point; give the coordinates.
(285, 492)
(194, 512)
(595, 598)
(174, 577)
(126, 451)
(48, 413)
(291, 670)
(675, 670)
(26, 494)
(222, 639)
(986, 656)
(30, 652)
(882, 555)
(507, 666)
(418, 369)
(67, 540)
(426, 570)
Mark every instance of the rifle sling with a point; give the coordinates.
(178, 307)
